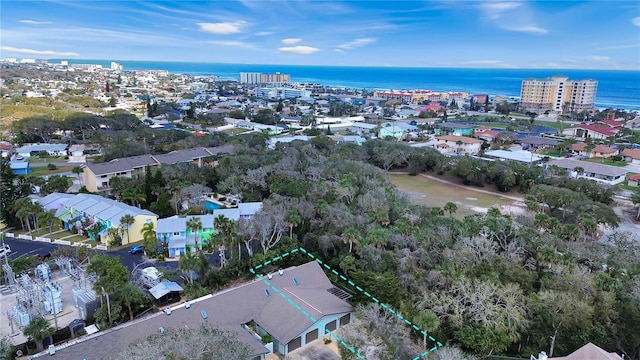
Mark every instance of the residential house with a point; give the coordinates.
(598, 151)
(299, 305)
(363, 128)
(523, 156)
(96, 176)
(587, 352)
(452, 144)
(76, 153)
(613, 124)
(395, 129)
(174, 231)
(486, 133)
(631, 155)
(610, 175)
(539, 142)
(584, 131)
(450, 128)
(29, 150)
(348, 139)
(83, 211)
(273, 142)
(20, 166)
(634, 180)
(179, 237)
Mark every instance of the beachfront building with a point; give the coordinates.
(558, 93)
(395, 129)
(281, 93)
(610, 175)
(312, 307)
(457, 145)
(251, 78)
(419, 96)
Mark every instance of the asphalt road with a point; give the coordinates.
(20, 247)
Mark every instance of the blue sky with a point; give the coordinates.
(446, 33)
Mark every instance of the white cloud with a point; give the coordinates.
(34, 22)
(356, 43)
(636, 21)
(495, 10)
(505, 14)
(233, 43)
(301, 49)
(263, 33)
(529, 29)
(291, 41)
(223, 28)
(36, 52)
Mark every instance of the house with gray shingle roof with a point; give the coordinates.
(610, 175)
(305, 306)
(96, 176)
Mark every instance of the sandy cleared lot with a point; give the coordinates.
(429, 192)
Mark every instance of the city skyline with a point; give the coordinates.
(445, 33)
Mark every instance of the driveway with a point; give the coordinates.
(312, 352)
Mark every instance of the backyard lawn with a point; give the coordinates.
(433, 193)
(43, 170)
(606, 162)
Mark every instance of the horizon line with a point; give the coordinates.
(360, 66)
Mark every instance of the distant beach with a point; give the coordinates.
(619, 89)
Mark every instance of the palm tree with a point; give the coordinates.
(428, 322)
(48, 218)
(351, 236)
(494, 212)
(150, 243)
(130, 295)
(78, 170)
(37, 330)
(292, 219)
(588, 225)
(126, 221)
(194, 224)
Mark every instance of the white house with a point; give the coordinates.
(51, 149)
(453, 144)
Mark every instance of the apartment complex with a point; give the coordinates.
(418, 96)
(259, 78)
(558, 93)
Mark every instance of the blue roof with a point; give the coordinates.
(19, 165)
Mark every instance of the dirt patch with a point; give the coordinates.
(430, 192)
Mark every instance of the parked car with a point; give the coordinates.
(136, 249)
(5, 251)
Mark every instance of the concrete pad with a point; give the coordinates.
(69, 311)
(316, 350)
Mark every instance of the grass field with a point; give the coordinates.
(433, 193)
(43, 170)
(606, 162)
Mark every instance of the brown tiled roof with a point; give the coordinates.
(463, 139)
(632, 153)
(589, 352)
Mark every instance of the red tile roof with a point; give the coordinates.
(599, 129)
(463, 139)
(596, 149)
(635, 177)
(611, 123)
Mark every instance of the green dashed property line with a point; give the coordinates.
(342, 277)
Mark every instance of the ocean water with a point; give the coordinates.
(619, 89)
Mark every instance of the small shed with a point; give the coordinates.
(166, 292)
(634, 180)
